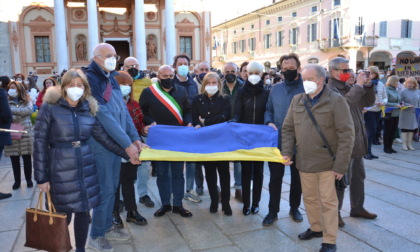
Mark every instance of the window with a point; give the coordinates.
(224, 48)
(267, 40)
(294, 14)
(42, 47)
(234, 31)
(279, 19)
(406, 27)
(242, 45)
(337, 2)
(280, 38)
(234, 47)
(251, 44)
(243, 29)
(252, 26)
(314, 9)
(382, 29)
(335, 32)
(313, 61)
(312, 32)
(185, 44)
(293, 36)
(360, 27)
(267, 22)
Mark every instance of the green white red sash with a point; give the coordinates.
(168, 101)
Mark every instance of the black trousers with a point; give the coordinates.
(81, 228)
(390, 127)
(254, 169)
(276, 180)
(27, 167)
(128, 175)
(199, 178)
(211, 169)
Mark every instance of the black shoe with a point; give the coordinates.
(29, 183)
(388, 151)
(16, 185)
(326, 247)
(255, 208)
(368, 157)
(296, 215)
(136, 218)
(162, 210)
(116, 220)
(309, 234)
(374, 156)
(181, 211)
(269, 219)
(246, 210)
(5, 195)
(226, 209)
(147, 201)
(341, 222)
(214, 206)
(376, 142)
(393, 151)
(121, 206)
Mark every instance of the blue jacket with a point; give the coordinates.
(112, 114)
(189, 85)
(279, 100)
(5, 118)
(71, 171)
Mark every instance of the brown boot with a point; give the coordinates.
(341, 223)
(238, 194)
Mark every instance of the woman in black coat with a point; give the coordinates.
(208, 108)
(63, 161)
(5, 121)
(250, 108)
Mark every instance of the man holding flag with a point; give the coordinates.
(166, 103)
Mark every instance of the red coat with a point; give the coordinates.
(136, 114)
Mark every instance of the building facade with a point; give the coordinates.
(59, 34)
(318, 30)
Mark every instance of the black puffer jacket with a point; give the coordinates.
(215, 109)
(250, 103)
(70, 171)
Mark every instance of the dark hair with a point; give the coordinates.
(45, 84)
(290, 56)
(19, 75)
(181, 56)
(263, 75)
(276, 80)
(153, 75)
(5, 80)
(32, 83)
(244, 64)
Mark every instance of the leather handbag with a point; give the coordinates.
(47, 230)
(16, 135)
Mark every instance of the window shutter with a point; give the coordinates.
(309, 33)
(403, 28)
(409, 28)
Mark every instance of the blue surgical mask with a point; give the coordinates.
(183, 70)
(125, 90)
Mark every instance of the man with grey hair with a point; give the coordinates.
(202, 69)
(358, 96)
(317, 167)
(231, 84)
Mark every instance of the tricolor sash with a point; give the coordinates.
(168, 101)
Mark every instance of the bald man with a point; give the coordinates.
(167, 113)
(140, 80)
(114, 117)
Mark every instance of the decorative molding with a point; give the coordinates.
(15, 38)
(207, 38)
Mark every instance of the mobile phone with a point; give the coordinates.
(367, 73)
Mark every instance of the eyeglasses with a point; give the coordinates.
(133, 66)
(117, 57)
(344, 70)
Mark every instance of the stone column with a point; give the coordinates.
(140, 33)
(61, 49)
(170, 31)
(353, 58)
(93, 28)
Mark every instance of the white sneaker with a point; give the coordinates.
(192, 196)
(100, 244)
(116, 234)
(397, 141)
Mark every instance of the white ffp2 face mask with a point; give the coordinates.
(75, 93)
(110, 63)
(12, 93)
(254, 79)
(211, 90)
(310, 87)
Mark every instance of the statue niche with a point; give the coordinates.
(81, 49)
(151, 45)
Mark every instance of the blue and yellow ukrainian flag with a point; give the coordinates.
(219, 142)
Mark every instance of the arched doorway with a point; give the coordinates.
(380, 59)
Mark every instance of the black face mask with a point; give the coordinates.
(200, 77)
(230, 78)
(290, 75)
(135, 74)
(166, 83)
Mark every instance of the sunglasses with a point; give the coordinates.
(344, 70)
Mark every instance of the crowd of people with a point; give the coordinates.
(92, 123)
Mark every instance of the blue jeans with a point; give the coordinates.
(237, 174)
(108, 167)
(164, 180)
(142, 178)
(190, 175)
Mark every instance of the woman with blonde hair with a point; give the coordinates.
(208, 108)
(408, 121)
(21, 106)
(63, 161)
(391, 122)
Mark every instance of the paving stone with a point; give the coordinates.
(7, 239)
(394, 181)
